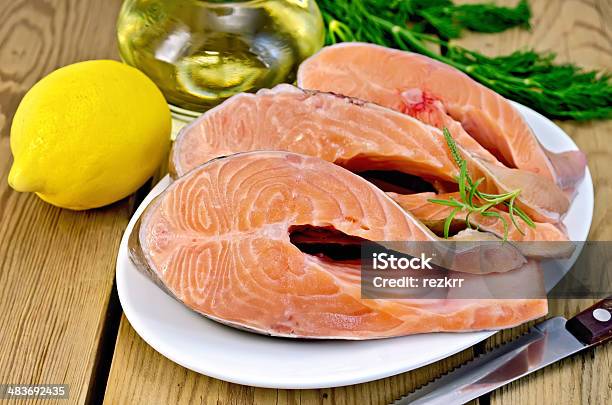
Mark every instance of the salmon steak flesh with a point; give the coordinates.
(276, 193)
(222, 239)
(483, 121)
(356, 135)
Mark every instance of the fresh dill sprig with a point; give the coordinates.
(561, 91)
(449, 20)
(470, 196)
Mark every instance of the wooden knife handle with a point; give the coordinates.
(593, 325)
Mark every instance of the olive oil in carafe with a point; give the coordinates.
(199, 53)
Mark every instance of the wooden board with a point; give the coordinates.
(140, 374)
(56, 266)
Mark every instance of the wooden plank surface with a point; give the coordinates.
(56, 266)
(578, 31)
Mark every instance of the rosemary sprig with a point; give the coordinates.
(561, 91)
(470, 195)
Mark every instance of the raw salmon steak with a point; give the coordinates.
(219, 240)
(354, 134)
(439, 95)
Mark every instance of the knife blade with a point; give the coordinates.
(544, 344)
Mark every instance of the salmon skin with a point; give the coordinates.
(354, 134)
(218, 240)
(438, 94)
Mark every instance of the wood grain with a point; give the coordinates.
(578, 32)
(56, 266)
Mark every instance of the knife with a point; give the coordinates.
(544, 344)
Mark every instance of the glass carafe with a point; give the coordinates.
(200, 52)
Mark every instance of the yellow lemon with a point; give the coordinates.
(89, 134)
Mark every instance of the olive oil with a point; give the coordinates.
(201, 52)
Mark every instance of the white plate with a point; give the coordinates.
(222, 352)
